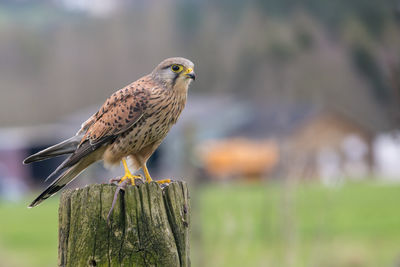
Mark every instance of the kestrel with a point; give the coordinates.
(131, 124)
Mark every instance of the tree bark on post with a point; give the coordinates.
(149, 226)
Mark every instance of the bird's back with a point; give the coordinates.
(162, 109)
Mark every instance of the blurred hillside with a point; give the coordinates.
(67, 55)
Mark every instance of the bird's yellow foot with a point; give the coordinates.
(148, 177)
(132, 179)
(164, 181)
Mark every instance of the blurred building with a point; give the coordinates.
(262, 139)
(333, 145)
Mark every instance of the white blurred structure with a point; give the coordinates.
(328, 161)
(100, 8)
(387, 156)
(355, 152)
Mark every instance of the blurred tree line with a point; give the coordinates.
(343, 54)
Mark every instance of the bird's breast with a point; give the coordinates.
(161, 113)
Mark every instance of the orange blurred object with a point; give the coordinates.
(239, 157)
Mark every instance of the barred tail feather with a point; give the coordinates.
(66, 147)
(65, 178)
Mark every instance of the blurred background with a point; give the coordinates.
(289, 140)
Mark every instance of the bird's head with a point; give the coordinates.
(175, 73)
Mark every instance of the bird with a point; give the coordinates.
(130, 125)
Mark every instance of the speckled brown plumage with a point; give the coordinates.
(131, 124)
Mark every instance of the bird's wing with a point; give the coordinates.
(120, 112)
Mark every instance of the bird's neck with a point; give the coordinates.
(181, 86)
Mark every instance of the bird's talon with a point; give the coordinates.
(164, 181)
(131, 179)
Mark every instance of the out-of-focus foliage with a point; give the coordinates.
(325, 52)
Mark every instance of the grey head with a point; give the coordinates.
(175, 72)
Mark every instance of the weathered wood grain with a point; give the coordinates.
(149, 226)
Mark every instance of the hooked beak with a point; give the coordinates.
(190, 74)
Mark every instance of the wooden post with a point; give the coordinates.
(148, 227)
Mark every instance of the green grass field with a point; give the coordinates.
(352, 225)
(249, 225)
(28, 237)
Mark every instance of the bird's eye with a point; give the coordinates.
(176, 68)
